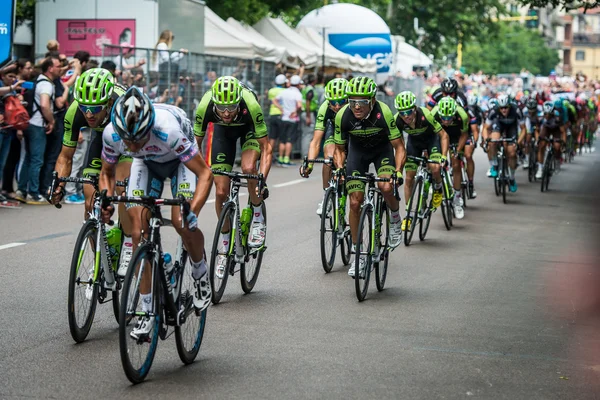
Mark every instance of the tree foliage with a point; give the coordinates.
(25, 11)
(515, 48)
(563, 4)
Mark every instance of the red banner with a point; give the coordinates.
(91, 34)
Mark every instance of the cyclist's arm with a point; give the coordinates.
(315, 144)
(108, 178)
(205, 180)
(200, 121)
(444, 141)
(399, 153)
(339, 137)
(73, 125)
(464, 129)
(266, 155)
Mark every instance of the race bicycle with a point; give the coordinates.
(93, 273)
(236, 223)
(172, 294)
(335, 231)
(373, 235)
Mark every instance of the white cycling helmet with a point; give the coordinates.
(472, 100)
(548, 107)
(503, 101)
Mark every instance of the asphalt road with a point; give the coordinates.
(483, 311)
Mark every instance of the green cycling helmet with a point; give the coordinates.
(94, 87)
(336, 89)
(405, 100)
(361, 86)
(447, 107)
(226, 91)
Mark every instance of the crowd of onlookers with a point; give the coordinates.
(28, 156)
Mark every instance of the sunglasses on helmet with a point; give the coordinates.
(92, 109)
(359, 102)
(406, 113)
(338, 102)
(222, 108)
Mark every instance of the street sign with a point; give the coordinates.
(7, 23)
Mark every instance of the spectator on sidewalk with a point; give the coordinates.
(84, 58)
(54, 139)
(41, 124)
(74, 191)
(274, 112)
(8, 77)
(53, 45)
(166, 65)
(289, 101)
(24, 73)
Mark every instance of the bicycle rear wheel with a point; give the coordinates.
(345, 243)
(504, 180)
(188, 337)
(532, 164)
(426, 220)
(363, 249)
(251, 267)
(447, 206)
(412, 211)
(381, 261)
(137, 354)
(83, 291)
(217, 283)
(328, 236)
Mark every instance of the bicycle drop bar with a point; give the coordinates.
(423, 160)
(371, 178)
(502, 140)
(326, 161)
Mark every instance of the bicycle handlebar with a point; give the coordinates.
(371, 178)
(326, 161)
(423, 160)
(237, 176)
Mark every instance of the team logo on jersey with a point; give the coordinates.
(115, 137)
(221, 157)
(260, 119)
(385, 161)
(152, 148)
(180, 149)
(161, 135)
(137, 192)
(245, 111)
(378, 115)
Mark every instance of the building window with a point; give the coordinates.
(580, 55)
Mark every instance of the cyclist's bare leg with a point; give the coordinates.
(122, 173)
(249, 160)
(356, 200)
(139, 222)
(328, 150)
(456, 174)
(193, 241)
(221, 195)
(511, 155)
(387, 190)
(470, 163)
(409, 177)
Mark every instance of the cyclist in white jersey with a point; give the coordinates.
(161, 142)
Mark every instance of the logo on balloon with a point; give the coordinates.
(376, 46)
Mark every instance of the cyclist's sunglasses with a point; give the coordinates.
(92, 109)
(360, 102)
(406, 113)
(338, 102)
(447, 119)
(231, 108)
(503, 108)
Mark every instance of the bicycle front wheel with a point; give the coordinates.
(426, 220)
(504, 180)
(412, 211)
(83, 291)
(218, 277)
(251, 267)
(447, 207)
(188, 337)
(138, 353)
(381, 263)
(363, 250)
(328, 230)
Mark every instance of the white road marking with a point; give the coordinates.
(290, 183)
(10, 245)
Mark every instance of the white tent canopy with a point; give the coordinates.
(406, 56)
(223, 39)
(335, 57)
(280, 53)
(282, 35)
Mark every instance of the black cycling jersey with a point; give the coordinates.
(477, 113)
(460, 98)
(458, 126)
(326, 121)
(249, 117)
(425, 125)
(551, 125)
(379, 127)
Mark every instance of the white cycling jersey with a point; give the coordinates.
(171, 138)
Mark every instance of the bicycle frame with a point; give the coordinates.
(334, 183)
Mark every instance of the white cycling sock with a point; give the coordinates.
(258, 215)
(224, 241)
(395, 216)
(198, 268)
(146, 302)
(511, 174)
